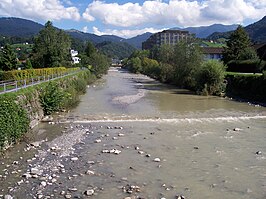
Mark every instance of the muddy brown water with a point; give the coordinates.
(208, 147)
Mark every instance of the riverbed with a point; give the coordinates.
(133, 137)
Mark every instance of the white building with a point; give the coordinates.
(74, 57)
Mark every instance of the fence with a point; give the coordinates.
(11, 86)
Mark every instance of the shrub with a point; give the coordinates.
(245, 66)
(13, 119)
(52, 97)
(210, 78)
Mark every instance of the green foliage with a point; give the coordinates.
(135, 65)
(210, 78)
(51, 48)
(249, 87)
(13, 119)
(187, 59)
(248, 54)
(246, 66)
(95, 61)
(35, 73)
(51, 97)
(119, 50)
(237, 45)
(8, 59)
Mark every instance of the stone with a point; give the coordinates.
(89, 192)
(195, 147)
(98, 141)
(258, 153)
(140, 152)
(157, 160)
(43, 183)
(89, 172)
(236, 129)
(27, 175)
(148, 155)
(180, 197)
(91, 162)
(121, 134)
(117, 152)
(72, 189)
(35, 144)
(68, 196)
(74, 158)
(35, 171)
(8, 197)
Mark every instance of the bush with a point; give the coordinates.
(210, 78)
(13, 119)
(245, 66)
(250, 87)
(52, 97)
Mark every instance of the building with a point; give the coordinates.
(170, 37)
(212, 53)
(74, 57)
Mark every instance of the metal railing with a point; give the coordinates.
(13, 86)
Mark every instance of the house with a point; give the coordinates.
(170, 37)
(212, 53)
(74, 57)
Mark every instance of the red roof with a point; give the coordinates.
(212, 50)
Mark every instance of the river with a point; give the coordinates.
(132, 137)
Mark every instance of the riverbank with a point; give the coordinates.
(21, 111)
(159, 145)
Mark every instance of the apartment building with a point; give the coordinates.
(170, 37)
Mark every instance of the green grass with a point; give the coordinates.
(210, 44)
(244, 74)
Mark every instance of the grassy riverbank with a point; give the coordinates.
(22, 110)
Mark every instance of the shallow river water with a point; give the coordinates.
(169, 143)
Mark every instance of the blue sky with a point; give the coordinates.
(128, 18)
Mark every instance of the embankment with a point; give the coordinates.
(22, 110)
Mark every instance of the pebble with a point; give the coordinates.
(140, 152)
(43, 183)
(121, 134)
(89, 192)
(74, 158)
(72, 189)
(157, 160)
(236, 129)
(68, 196)
(98, 141)
(27, 175)
(89, 172)
(259, 153)
(35, 171)
(180, 197)
(8, 197)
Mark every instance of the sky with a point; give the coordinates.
(128, 18)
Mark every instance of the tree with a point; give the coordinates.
(238, 43)
(210, 78)
(51, 48)
(8, 59)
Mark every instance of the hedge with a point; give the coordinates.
(246, 66)
(33, 73)
(249, 87)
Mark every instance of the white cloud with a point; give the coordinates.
(38, 9)
(175, 12)
(125, 33)
(85, 29)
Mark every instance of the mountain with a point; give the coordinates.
(204, 31)
(16, 27)
(137, 41)
(119, 50)
(256, 31)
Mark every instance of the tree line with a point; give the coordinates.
(51, 48)
(184, 65)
